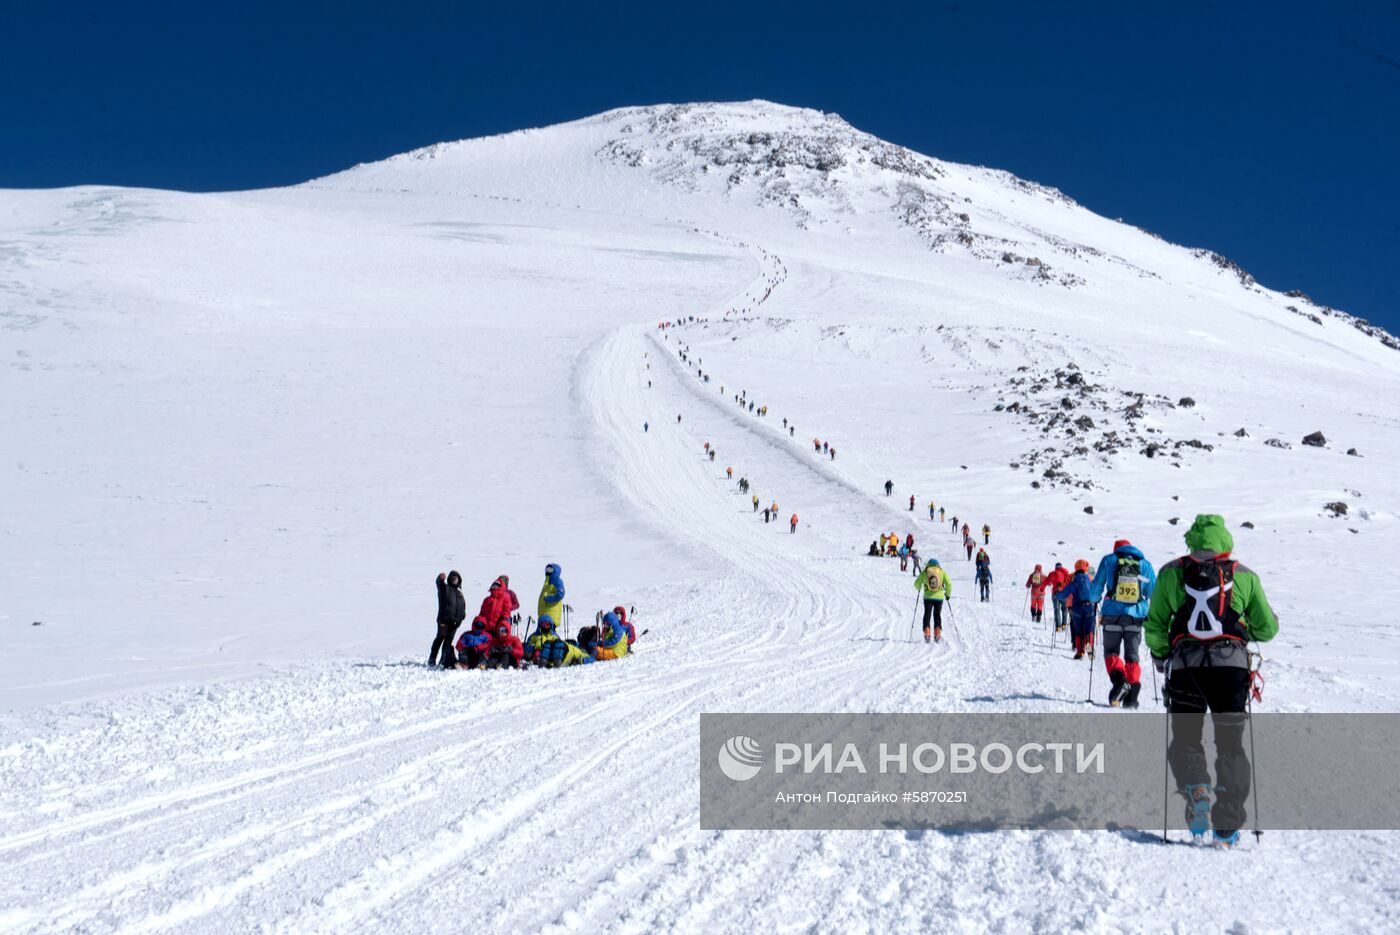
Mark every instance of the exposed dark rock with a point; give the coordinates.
(1089, 510)
(1035, 484)
(1336, 508)
(1186, 402)
(1308, 315)
(1246, 525)
(1315, 440)
(1227, 264)
(1085, 424)
(1241, 433)
(1174, 520)
(1276, 443)
(1353, 452)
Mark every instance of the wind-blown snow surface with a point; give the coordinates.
(244, 431)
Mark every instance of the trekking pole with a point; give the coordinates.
(915, 619)
(1249, 713)
(1093, 636)
(1026, 607)
(1154, 680)
(1166, 775)
(952, 620)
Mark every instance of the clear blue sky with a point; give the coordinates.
(1267, 131)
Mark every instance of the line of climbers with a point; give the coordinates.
(1197, 617)
(742, 397)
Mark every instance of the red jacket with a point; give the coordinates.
(500, 603)
(1057, 579)
(517, 649)
(626, 625)
(1045, 582)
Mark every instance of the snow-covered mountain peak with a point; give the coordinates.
(811, 163)
(815, 168)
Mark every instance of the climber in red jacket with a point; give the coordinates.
(506, 650)
(500, 603)
(1038, 582)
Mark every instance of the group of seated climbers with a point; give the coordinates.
(889, 544)
(491, 642)
(480, 648)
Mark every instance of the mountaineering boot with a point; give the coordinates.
(1226, 840)
(938, 634)
(1197, 808)
(925, 634)
(1130, 697)
(1119, 689)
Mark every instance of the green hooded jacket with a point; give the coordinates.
(938, 588)
(1207, 538)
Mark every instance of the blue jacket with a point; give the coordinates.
(1080, 589)
(1104, 579)
(984, 573)
(478, 640)
(612, 632)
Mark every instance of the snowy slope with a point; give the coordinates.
(247, 429)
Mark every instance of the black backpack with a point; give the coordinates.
(587, 638)
(1208, 612)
